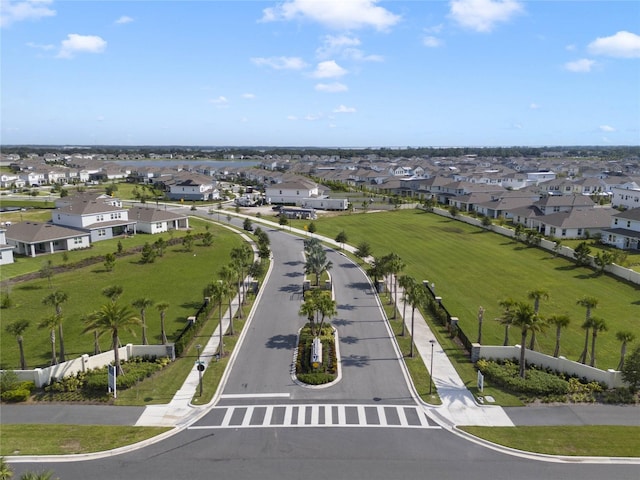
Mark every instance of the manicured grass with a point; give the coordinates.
(472, 267)
(177, 278)
(70, 439)
(597, 441)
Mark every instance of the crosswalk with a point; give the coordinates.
(261, 416)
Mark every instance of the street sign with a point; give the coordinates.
(480, 381)
(112, 375)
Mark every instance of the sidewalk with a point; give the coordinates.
(458, 407)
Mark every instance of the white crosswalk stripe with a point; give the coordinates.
(262, 416)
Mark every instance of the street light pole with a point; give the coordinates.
(432, 342)
(199, 367)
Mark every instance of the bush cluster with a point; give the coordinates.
(14, 390)
(537, 383)
(326, 372)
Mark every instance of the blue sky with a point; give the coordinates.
(343, 73)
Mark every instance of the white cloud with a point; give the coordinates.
(12, 11)
(248, 96)
(534, 106)
(280, 63)
(220, 102)
(431, 42)
(81, 44)
(328, 69)
(292, 117)
(482, 15)
(311, 117)
(344, 46)
(346, 15)
(344, 109)
(580, 66)
(622, 44)
(46, 47)
(606, 128)
(124, 19)
(335, 87)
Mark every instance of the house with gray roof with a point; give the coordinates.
(35, 238)
(153, 220)
(624, 231)
(576, 223)
(6, 250)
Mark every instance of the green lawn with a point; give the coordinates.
(596, 441)
(70, 439)
(471, 267)
(177, 278)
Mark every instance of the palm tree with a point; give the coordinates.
(536, 296)
(6, 472)
(560, 321)
(416, 297)
(396, 265)
(51, 323)
(597, 325)
(406, 282)
(112, 319)
(56, 299)
(142, 304)
(308, 310)
(113, 292)
(162, 307)
(589, 303)
(242, 257)
(48, 475)
(17, 328)
(227, 276)
(218, 292)
(523, 317)
(624, 337)
(507, 317)
(326, 307)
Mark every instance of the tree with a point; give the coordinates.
(364, 250)
(523, 317)
(162, 307)
(46, 271)
(589, 303)
(311, 228)
(453, 211)
(218, 293)
(227, 275)
(416, 296)
(602, 260)
(327, 308)
(112, 319)
(247, 224)
(536, 296)
(109, 262)
(142, 304)
(507, 317)
(160, 245)
(51, 323)
(486, 221)
(316, 256)
(187, 242)
(207, 239)
(631, 369)
(56, 299)
(395, 266)
(624, 337)
(560, 322)
(241, 258)
(17, 328)
(284, 221)
(581, 254)
(111, 189)
(113, 292)
(341, 238)
(597, 325)
(406, 283)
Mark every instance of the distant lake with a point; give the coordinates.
(193, 163)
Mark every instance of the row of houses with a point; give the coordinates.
(82, 219)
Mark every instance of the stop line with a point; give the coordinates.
(331, 415)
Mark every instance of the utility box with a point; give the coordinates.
(316, 353)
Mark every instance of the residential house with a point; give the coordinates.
(33, 238)
(625, 230)
(626, 195)
(292, 192)
(6, 250)
(101, 218)
(192, 190)
(153, 220)
(576, 223)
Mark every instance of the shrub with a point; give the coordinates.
(14, 396)
(536, 382)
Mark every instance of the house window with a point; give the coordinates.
(102, 233)
(564, 232)
(615, 221)
(553, 230)
(158, 225)
(628, 223)
(77, 240)
(579, 231)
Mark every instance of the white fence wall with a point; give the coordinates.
(44, 376)
(612, 378)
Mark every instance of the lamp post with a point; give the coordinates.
(432, 342)
(200, 368)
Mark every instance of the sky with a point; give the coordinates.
(320, 73)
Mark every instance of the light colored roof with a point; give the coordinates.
(580, 218)
(88, 207)
(150, 215)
